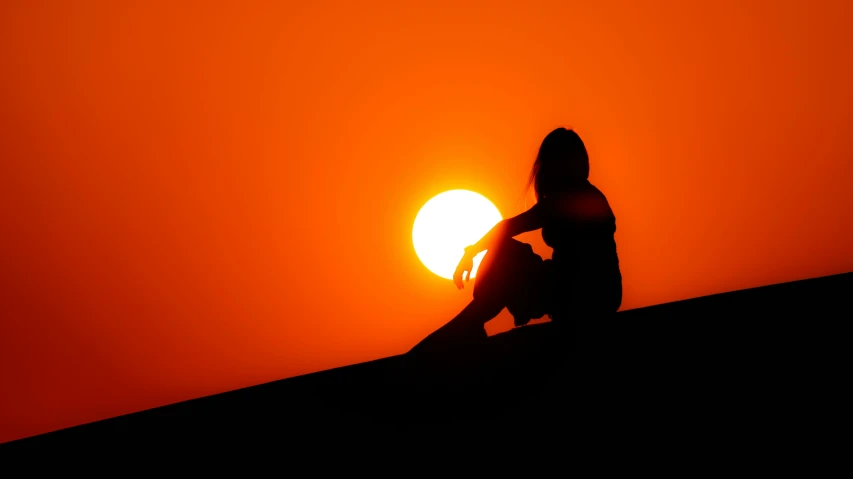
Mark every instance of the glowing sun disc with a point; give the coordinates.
(449, 222)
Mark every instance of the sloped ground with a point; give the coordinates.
(762, 362)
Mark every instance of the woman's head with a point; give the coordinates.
(562, 163)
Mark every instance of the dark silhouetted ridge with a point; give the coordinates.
(762, 361)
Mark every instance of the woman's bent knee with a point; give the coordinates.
(511, 264)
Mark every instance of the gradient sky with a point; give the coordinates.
(202, 196)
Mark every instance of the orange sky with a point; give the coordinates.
(203, 197)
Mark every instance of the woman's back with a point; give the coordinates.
(580, 225)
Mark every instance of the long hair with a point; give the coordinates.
(561, 164)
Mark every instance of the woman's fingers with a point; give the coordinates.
(463, 272)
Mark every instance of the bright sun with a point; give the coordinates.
(448, 223)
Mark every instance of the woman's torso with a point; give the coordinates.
(579, 226)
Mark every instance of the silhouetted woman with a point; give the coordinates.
(582, 278)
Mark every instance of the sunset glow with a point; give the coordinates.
(197, 197)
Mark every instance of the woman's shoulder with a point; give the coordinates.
(584, 202)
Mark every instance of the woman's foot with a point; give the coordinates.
(464, 331)
(447, 340)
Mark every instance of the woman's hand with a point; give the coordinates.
(466, 264)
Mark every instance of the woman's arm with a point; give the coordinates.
(528, 221)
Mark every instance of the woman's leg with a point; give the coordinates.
(466, 328)
(497, 281)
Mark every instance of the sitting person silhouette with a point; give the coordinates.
(581, 279)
